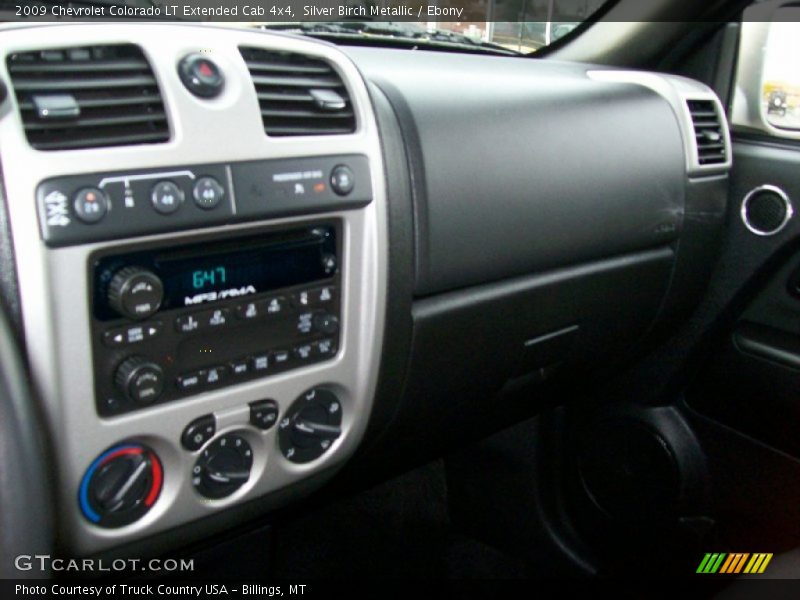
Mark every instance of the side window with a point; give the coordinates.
(767, 94)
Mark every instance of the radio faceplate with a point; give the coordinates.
(171, 322)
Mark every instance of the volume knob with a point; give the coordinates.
(135, 292)
(141, 380)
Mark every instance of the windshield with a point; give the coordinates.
(490, 26)
(509, 26)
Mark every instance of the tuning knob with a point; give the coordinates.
(121, 485)
(135, 292)
(140, 380)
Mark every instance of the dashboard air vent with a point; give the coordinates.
(88, 97)
(709, 137)
(299, 95)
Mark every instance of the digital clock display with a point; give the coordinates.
(203, 279)
(251, 266)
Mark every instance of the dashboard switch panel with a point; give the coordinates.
(104, 206)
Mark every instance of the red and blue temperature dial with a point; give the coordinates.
(121, 485)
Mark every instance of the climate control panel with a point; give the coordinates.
(173, 322)
(123, 484)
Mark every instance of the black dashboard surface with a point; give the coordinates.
(521, 166)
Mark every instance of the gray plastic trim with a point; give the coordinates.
(54, 287)
(677, 91)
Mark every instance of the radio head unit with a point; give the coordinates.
(172, 321)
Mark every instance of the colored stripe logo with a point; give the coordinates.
(735, 562)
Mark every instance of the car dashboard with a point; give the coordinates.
(245, 259)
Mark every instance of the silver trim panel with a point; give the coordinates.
(54, 287)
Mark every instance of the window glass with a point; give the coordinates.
(780, 89)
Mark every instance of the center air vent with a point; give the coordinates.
(88, 97)
(709, 136)
(299, 95)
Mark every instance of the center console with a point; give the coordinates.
(203, 296)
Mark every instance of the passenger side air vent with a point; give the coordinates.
(88, 97)
(708, 133)
(299, 95)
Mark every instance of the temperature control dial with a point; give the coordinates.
(223, 467)
(121, 485)
(310, 426)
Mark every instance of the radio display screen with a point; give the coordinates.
(201, 274)
(197, 280)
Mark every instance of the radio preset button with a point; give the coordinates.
(90, 204)
(302, 299)
(248, 310)
(325, 347)
(239, 368)
(167, 197)
(314, 297)
(280, 357)
(187, 323)
(198, 432)
(191, 381)
(216, 375)
(259, 362)
(305, 322)
(264, 414)
(275, 305)
(215, 318)
(207, 193)
(302, 352)
(324, 295)
(329, 264)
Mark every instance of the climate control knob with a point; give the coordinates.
(135, 292)
(140, 380)
(223, 467)
(121, 485)
(310, 426)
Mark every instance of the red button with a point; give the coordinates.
(205, 70)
